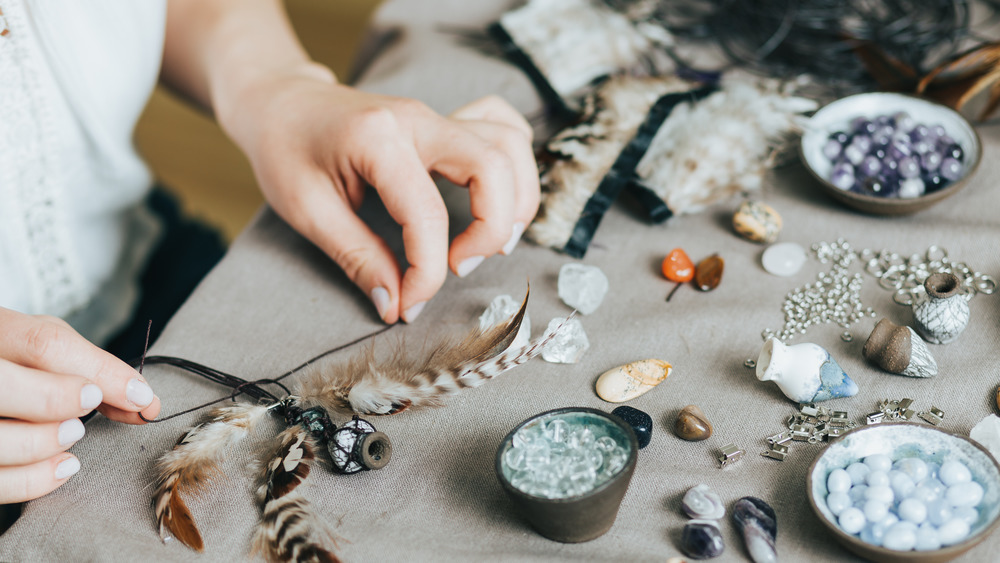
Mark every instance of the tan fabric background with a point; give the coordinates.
(275, 301)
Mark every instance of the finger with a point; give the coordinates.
(39, 396)
(28, 482)
(129, 417)
(527, 191)
(467, 159)
(495, 109)
(406, 189)
(49, 345)
(324, 216)
(22, 443)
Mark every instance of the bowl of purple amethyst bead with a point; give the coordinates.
(890, 154)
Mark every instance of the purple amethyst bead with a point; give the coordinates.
(955, 151)
(863, 142)
(870, 166)
(931, 161)
(854, 154)
(911, 188)
(898, 150)
(951, 169)
(904, 122)
(842, 176)
(923, 146)
(841, 137)
(933, 182)
(862, 125)
(919, 132)
(908, 167)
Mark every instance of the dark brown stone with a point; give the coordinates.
(889, 346)
(708, 272)
(692, 425)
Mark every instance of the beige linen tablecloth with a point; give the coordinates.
(275, 301)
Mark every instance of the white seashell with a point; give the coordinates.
(627, 382)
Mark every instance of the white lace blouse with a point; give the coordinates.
(74, 77)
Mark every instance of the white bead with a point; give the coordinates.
(928, 490)
(879, 462)
(927, 538)
(954, 472)
(837, 502)
(915, 467)
(901, 483)
(953, 532)
(857, 493)
(875, 511)
(912, 510)
(858, 472)
(901, 536)
(783, 259)
(964, 494)
(938, 512)
(838, 481)
(967, 514)
(878, 479)
(881, 494)
(852, 520)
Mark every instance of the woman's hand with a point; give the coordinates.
(315, 145)
(50, 376)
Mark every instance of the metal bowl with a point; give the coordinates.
(838, 114)
(576, 518)
(897, 440)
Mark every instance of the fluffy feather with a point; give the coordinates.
(289, 530)
(712, 150)
(580, 156)
(367, 386)
(192, 462)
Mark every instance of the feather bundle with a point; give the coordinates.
(192, 462)
(581, 155)
(573, 43)
(289, 529)
(721, 146)
(367, 386)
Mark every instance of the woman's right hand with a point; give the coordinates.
(50, 376)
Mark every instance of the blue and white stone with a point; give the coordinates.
(805, 373)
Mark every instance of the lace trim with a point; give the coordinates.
(30, 172)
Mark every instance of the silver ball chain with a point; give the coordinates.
(835, 296)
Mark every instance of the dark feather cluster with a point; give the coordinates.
(827, 39)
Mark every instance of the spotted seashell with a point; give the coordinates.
(757, 222)
(701, 502)
(631, 380)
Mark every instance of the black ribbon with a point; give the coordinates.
(622, 174)
(553, 101)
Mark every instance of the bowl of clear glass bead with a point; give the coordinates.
(906, 492)
(567, 470)
(889, 154)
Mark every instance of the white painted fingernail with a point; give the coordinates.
(70, 431)
(380, 297)
(90, 397)
(67, 468)
(413, 312)
(469, 264)
(515, 237)
(139, 393)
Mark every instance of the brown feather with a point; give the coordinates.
(290, 465)
(174, 518)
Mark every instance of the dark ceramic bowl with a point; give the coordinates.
(890, 438)
(838, 114)
(576, 518)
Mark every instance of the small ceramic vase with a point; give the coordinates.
(805, 372)
(944, 312)
(899, 349)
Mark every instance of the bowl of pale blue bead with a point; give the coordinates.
(567, 470)
(889, 154)
(906, 492)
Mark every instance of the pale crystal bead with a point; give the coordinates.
(938, 512)
(967, 514)
(879, 462)
(837, 502)
(582, 287)
(953, 531)
(838, 481)
(852, 520)
(901, 536)
(858, 472)
(881, 494)
(878, 479)
(927, 538)
(912, 510)
(857, 493)
(901, 483)
(784, 259)
(964, 494)
(954, 472)
(875, 511)
(915, 467)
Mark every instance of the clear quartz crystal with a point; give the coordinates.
(500, 310)
(568, 345)
(562, 458)
(582, 287)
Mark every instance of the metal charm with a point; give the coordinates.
(730, 455)
(776, 451)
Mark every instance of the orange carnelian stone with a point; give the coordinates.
(678, 267)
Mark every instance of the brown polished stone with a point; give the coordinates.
(692, 425)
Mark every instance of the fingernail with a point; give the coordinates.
(380, 297)
(90, 397)
(67, 468)
(139, 393)
(411, 314)
(469, 264)
(515, 237)
(70, 431)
